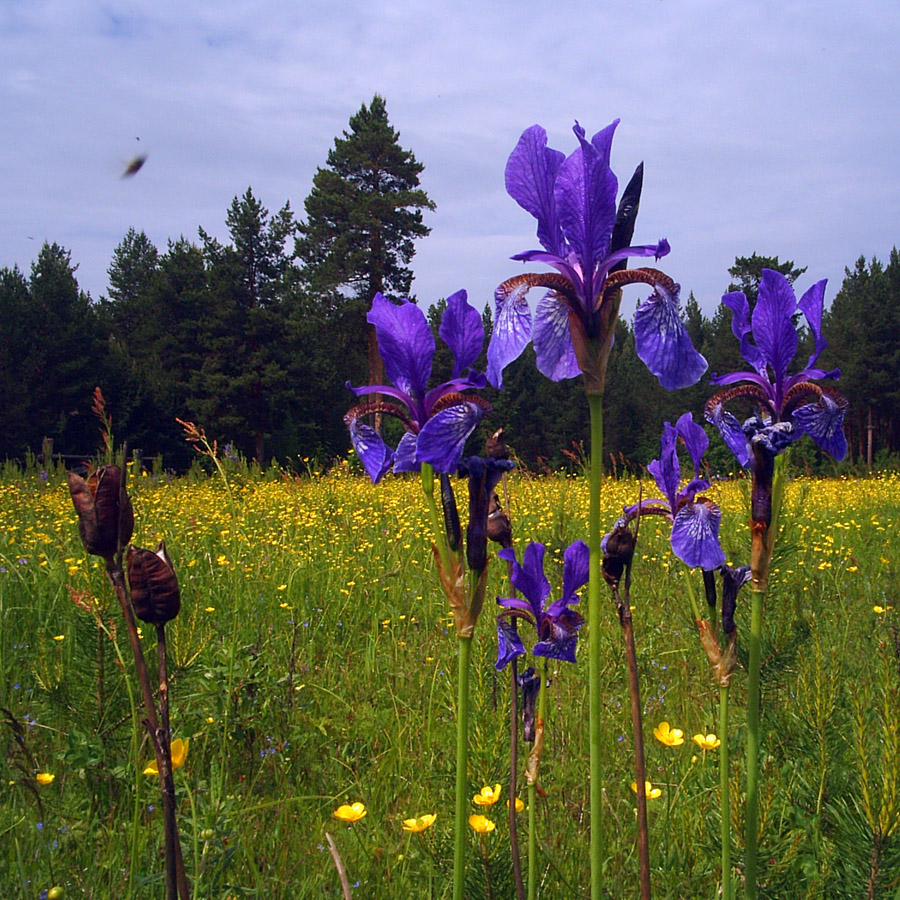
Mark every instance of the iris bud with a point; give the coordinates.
(105, 515)
(154, 585)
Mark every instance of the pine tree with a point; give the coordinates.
(362, 218)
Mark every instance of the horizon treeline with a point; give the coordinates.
(231, 336)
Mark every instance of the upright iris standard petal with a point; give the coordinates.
(405, 343)
(462, 331)
(438, 421)
(784, 416)
(695, 439)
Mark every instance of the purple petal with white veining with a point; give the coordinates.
(443, 437)
(695, 535)
(555, 356)
(823, 422)
(530, 176)
(405, 454)
(773, 327)
(372, 451)
(731, 431)
(405, 342)
(512, 331)
(663, 343)
(462, 331)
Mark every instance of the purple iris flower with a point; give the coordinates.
(585, 239)
(556, 625)
(437, 421)
(792, 405)
(695, 520)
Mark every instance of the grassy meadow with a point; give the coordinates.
(313, 665)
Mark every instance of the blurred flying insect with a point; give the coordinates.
(135, 165)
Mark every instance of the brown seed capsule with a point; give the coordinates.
(498, 527)
(105, 515)
(154, 585)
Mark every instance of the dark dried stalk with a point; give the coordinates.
(339, 865)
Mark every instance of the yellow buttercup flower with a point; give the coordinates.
(179, 751)
(881, 610)
(44, 778)
(671, 737)
(706, 741)
(649, 791)
(520, 805)
(481, 824)
(350, 812)
(420, 823)
(486, 796)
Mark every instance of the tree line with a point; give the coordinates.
(256, 338)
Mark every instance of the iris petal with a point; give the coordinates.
(405, 342)
(443, 437)
(575, 569)
(663, 343)
(530, 175)
(555, 356)
(512, 331)
(563, 637)
(462, 331)
(823, 422)
(694, 437)
(372, 451)
(405, 454)
(695, 535)
(509, 644)
(741, 328)
(731, 431)
(812, 303)
(773, 326)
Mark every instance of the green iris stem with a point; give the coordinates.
(462, 757)
(692, 597)
(541, 723)
(440, 541)
(724, 798)
(763, 544)
(595, 403)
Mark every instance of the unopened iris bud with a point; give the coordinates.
(105, 515)
(498, 528)
(709, 586)
(484, 475)
(618, 552)
(154, 585)
(531, 685)
(451, 514)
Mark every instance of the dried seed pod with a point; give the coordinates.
(498, 528)
(105, 515)
(154, 585)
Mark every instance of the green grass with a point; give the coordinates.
(324, 674)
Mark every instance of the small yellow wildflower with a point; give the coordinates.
(350, 812)
(44, 778)
(179, 751)
(486, 796)
(881, 610)
(420, 823)
(652, 793)
(671, 737)
(59, 637)
(210, 609)
(706, 741)
(56, 893)
(481, 824)
(520, 805)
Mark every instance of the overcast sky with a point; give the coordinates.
(764, 126)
